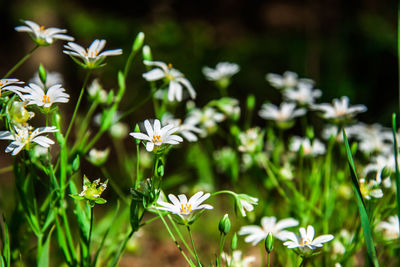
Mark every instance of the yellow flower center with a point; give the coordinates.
(304, 241)
(156, 139)
(186, 208)
(46, 99)
(92, 53)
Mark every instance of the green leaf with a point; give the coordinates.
(43, 251)
(62, 242)
(5, 240)
(78, 197)
(361, 206)
(396, 157)
(100, 201)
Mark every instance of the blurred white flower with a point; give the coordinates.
(378, 164)
(173, 77)
(98, 157)
(390, 227)
(304, 94)
(340, 109)
(257, 234)
(42, 36)
(52, 78)
(207, 118)
(10, 85)
(157, 136)
(313, 148)
(23, 137)
(96, 92)
(288, 80)
(305, 242)
(92, 57)
(237, 260)
(245, 203)
(250, 140)
(36, 96)
(370, 189)
(187, 128)
(372, 138)
(223, 70)
(284, 113)
(182, 207)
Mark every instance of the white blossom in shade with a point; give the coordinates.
(182, 207)
(305, 242)
(35, 95)
(288, 80)
(11, 85)
(284, 113)
(256, 234)
(96, 92)
(92, 57)
(228, 105)
(223, 70)
(251, 140)
(173, 77)
(237, 260)
(303, 94)
(390, 227)
(42, 36)
(23, 138)
(370, 189)
(52, 78)
(340, 109)
(372, 138)
(187, 128)
(245, 203)
(207, 118)
(157, 136)
(98, 157)
(378, 165)
(310, 148)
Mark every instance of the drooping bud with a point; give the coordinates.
(269, 242)
(224, 225)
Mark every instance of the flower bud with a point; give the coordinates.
(269, 243)
(147, 53)
(234, 242)
(42, 74)
(138, 41)
(137, 130)
(98, 157)
(224, 225)
(250, 102)
(76, 163)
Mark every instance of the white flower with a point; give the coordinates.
(182, 207)
(288, 80)
(187, 128)
(208, 119)
(23, 137)
(173, 76)
(96, 92)
(284, 113)
(313, 148)
(236, 260)
(245, 203)
(92, 57)
(156, 136)
(257, 234)
(36, 96)
(98, 157)
(250, 140)
(372, 138)
(370, 189)
(9, 85)
(339, 109)
(378, 164)
(52, 78)
(42, 36)
(305, 243)
(223, 70)
(303, 94)
(390, 228)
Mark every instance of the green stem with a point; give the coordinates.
(137, 180)
(77, 105)
(180, 235)
(19, 63)
(222, 239)
(149, 221)
(6, 169)
(93, 141)
(90, 237)
(194, 248)
(303, 262)
(268, 260)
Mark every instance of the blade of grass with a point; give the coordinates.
(396, 157)
(5, 240)
(361, 206)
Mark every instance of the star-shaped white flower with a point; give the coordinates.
(305, 243)
(288, 80)
(223, 70)
(257, 234)
(173, 76)
(42, 36)
(370, 189)
(187, 128)
(285, 112)
(23, 137)
(304, 94)
(92, 57)
(310, 148)
(390, 227)
(10, 85)
(36, 96)
(237, 259)
(157, 136)
(52, 78)
(339, 109)
(182, 207)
